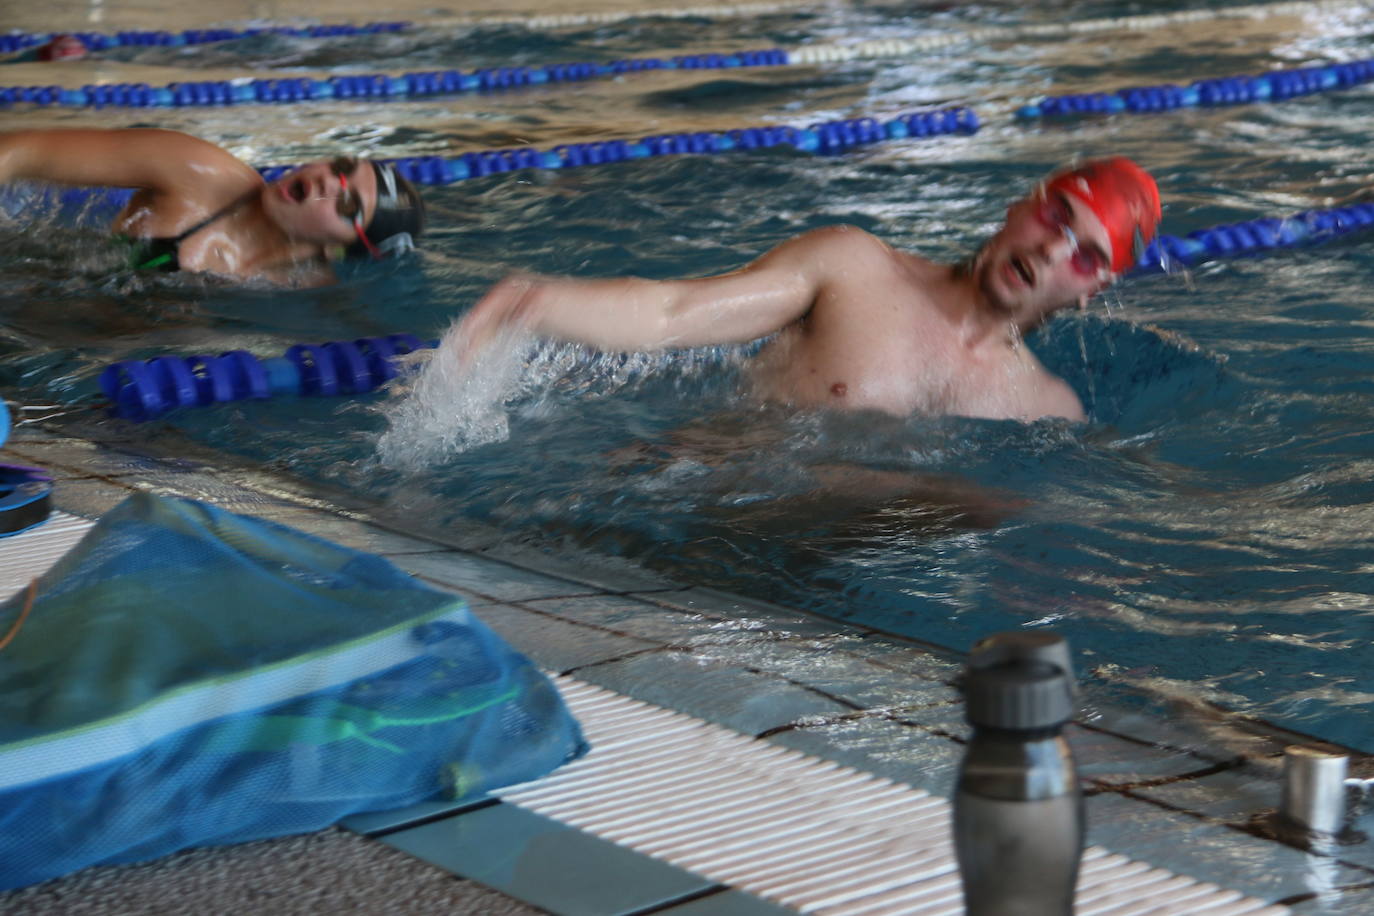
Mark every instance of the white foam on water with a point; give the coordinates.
(450, 404)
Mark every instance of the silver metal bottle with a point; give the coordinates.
(1018, 806)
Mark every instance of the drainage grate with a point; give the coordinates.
(28, 555)
(796, 830)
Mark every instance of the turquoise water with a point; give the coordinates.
(1204, 538)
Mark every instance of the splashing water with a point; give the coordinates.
(448, 406)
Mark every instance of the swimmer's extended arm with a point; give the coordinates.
(161, 161)
(636, 314)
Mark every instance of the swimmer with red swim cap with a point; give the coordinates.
(857, 325)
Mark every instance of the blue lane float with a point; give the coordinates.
(375, 86)
(824, 138)
(1254, 237)
(140, 390)
(136, 38)
(1275, 86)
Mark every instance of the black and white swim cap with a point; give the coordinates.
(397, 220)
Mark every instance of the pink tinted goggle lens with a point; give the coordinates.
(1054, 214)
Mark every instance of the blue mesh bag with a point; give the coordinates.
(187, 677)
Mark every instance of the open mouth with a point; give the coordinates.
(1022, 271)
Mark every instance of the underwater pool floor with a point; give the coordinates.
(1186, 795)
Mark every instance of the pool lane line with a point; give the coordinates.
(803, 55)
(1242, 89)
(425, 84)
(101, 41)
(905, 47)
(1274, 86)
(1254, 236)
(823, 137)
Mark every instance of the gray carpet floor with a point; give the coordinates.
(333, 871)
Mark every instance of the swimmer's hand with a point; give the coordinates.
(505, 307)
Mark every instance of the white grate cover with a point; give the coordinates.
(796, 830)
(27, 555)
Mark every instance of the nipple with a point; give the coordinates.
(839, 389)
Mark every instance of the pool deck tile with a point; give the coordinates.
(488, 579)
(1210, 851)
(1108, 760)
(1249, 795)
(89, 498)
(882, 746)
(632, 615)
(70, 457)
(375, 822)
(707, 601)
(725, 694)
(1354, 901)
(603, 574)
(728, 903)
(556, 645)
(542, 862)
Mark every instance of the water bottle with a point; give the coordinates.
(1018, 808)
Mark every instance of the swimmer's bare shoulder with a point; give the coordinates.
(1049, 395)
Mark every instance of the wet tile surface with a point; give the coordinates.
(1105, 759)
(727, 903)
(1251, 794)
(544, 863)
(898, 751)
(89, 498)
(744, 610)
(728, 695)
(1210, 851)
(554, 644)
(488, 577)
(1326, 902)
(80, 458)
(633, 616)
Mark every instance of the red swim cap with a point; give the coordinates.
(1124, 197)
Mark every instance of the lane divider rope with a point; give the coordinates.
(100, 41)
(446, 82)
(906, 47)
(1275, 86)
(378, 86)
(823, 138)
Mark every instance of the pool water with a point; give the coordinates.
(1203, 539)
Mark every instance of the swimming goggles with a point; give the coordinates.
(350, 203)
(1054, 214)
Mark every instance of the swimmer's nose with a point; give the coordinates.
(1059, 247)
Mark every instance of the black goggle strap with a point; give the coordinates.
(388, 198)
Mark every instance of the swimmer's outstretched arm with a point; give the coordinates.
(631, 313)
(161, 161)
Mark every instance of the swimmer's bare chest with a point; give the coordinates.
(903, 361)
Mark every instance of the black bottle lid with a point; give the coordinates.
(1020, 682)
